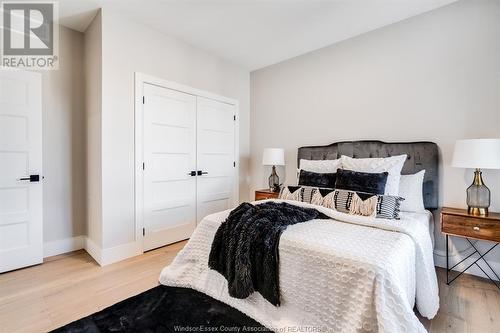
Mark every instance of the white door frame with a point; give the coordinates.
(140, 80)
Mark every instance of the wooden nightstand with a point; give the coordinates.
(457, 222)
(266, 194)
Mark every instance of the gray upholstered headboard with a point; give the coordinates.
(421, 155)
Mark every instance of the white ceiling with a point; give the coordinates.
(254, 33)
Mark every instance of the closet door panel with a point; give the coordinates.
(215, 156)
(169, 119)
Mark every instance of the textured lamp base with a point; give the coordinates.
(478, 211)
(274, 181)
(478, 196)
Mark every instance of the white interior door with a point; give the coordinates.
(215, 156)
(21, 230)
(169, 130)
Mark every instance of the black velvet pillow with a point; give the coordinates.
(361, 181)
(308, 178)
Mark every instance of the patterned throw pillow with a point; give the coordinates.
(300, 193)
(323, 197)
(308, 193)
(292, 193)
(366, 204)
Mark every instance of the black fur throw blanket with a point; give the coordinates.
(245, 247)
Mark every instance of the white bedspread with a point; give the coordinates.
(349, 274)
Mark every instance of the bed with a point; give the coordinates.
(345, 274)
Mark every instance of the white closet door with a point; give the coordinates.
(216, 131)
(20, 157)
(169, 123)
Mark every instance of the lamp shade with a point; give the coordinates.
(273, 156)
(477, 153)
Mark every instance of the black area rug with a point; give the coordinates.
(166, 309)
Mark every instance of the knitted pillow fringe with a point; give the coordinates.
(286, 195)
(329, 200)
(367, 207)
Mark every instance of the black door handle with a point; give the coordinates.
(31, 178)
(202, 173)
(192, 173)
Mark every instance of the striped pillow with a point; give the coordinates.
(366, 204)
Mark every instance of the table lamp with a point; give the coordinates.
(477, 154)
(274, 157)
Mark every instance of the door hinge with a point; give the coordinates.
(234, 164)
(143, 231)
(234, 117)
(143, 100)
(143, 166)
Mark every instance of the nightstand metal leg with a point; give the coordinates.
(481, 256)
(489, 277)
(447, 261)
(475, 262)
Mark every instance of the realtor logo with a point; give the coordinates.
(30, 35)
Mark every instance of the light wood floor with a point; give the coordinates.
(71, 286)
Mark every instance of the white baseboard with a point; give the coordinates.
(440, 261)
(120, 252)
(94, 250)
(113, 254)
(65, 245)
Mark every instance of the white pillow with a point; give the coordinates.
(392, 165)
(411, 188)
(320, 166)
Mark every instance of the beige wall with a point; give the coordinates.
(64, 142)
(433, 77)
(93, 90)
(130, 47)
